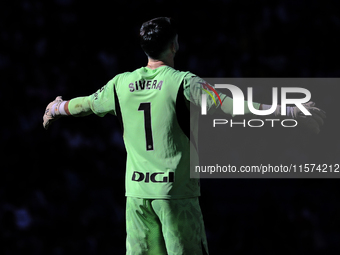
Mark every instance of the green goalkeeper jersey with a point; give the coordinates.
(158, 151)
(153, 106)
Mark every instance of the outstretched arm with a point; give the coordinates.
(77, 107)
(100, 103)
(195, 87)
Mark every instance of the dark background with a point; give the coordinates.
(62, 190)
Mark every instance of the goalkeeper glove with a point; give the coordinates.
(54, 111)
(311, 123)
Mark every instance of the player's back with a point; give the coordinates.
(158, 151)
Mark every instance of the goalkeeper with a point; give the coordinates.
(163, 215)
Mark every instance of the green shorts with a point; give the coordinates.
(156, 226)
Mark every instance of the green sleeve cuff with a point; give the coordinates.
(80, 106)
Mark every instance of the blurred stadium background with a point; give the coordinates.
(62, 190)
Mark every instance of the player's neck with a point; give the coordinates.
(155, 63)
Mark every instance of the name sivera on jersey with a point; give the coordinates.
(143, 84)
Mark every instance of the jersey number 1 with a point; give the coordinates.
(146, 107)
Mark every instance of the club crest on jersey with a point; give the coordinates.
(143, 84)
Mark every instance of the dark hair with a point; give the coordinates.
(155, 36)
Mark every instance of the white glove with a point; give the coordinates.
(54, 111)
(311, 123)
